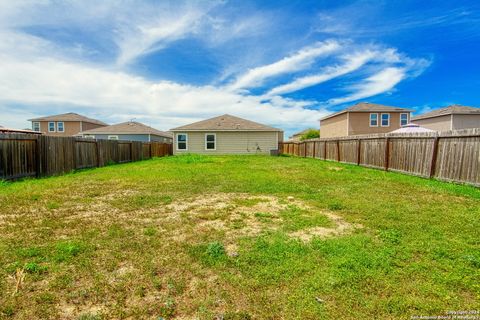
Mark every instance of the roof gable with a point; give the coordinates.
(130, 127)
(453, 109)
(225, 122)
(367, 107)
(70, 116)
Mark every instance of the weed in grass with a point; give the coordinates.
(51, 205)
(89, 316)
(335, 206)
(34, 268)
(391, 236)
(8, 311)
(67, 250)
(215, 250)
(150, 231)
(167, 309)
(45, 298)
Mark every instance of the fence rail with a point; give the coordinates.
(450, 155)
(24, 155)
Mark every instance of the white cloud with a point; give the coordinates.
(42, 82)
(302, 59)
(353, 62)
(380, 82)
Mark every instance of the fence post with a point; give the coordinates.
(387, 153)
(97, 152)
(338, 150)
(314, 144)
(304, 149)
(359, 141)
(74, 153)
(433, 163)
(325, 150)
(37, 157)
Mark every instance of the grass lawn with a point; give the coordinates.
(237, 237)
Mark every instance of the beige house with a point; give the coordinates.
(226, 135)
(67, 124)
(364, 118)
(453, 117)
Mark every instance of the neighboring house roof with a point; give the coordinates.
(10, 130)
(453, 109)
(130, 127)
(71, 116)
(368, 107)
(301, 133)
(410, 128)
(225, 123)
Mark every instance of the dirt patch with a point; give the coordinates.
(238, 215)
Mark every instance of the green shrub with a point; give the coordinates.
(310, 134)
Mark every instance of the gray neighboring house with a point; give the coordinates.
(226, 134)
(132, 130)
(454, 117)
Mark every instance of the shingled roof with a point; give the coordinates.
(368, 107)
(71, 116)
(453, 109)
(225, 123)
(130, 127)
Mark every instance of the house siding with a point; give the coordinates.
(334, 127)
(441, 123)
(359, 123)
(71, 128)
(243, 142)
(466, 121)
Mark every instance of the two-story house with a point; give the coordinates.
(67, 124)
(364, 118)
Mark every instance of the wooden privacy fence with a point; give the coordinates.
(450, 155)
(24, 155)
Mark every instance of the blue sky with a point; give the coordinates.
(283, 63)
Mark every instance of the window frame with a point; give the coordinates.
(370, 119)
(63, 126)
(403, 125)
(214, 141)
(177, 141)
(35, 123)
(112, 137)
(53, 125)
(381, 120)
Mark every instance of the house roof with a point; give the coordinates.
(71, 116)
(453, 109)
(130, 127)
(10, 130)
(368, 107)
(300, 133)
(411, 128)
(225, 123)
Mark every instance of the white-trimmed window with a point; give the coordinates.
(182, 141)
(373, 119)
(36, 126)
(385, 118)
(51, 126)
(403, 119)
(60, 127)
(210, 141)
(112, 137)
